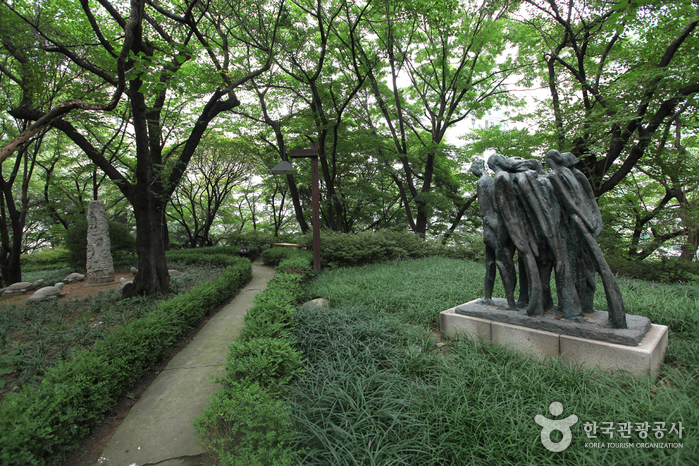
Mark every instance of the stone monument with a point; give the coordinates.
(100, 268)
(551, 219)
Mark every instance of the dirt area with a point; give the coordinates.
(72, 291)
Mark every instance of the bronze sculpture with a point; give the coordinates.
(552, 220)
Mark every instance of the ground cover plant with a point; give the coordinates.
(377, 389)
(37, 336)
(41, 422)
(248, 422)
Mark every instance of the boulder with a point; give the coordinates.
(134, 270)
(46, 293)
(124, 282)
(174, 272)
(318, 302)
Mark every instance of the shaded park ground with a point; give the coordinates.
(400, 395)
(379, 386)
(36, 336)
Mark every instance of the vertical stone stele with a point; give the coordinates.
(100, 267)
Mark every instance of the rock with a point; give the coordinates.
(100, 267)
(134, 270)
(318, 302)
(174, 272)
(74, 277)
(46, 293)
(124, 282)
(22, 287)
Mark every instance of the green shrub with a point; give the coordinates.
(664, 270)
(299, 266)
(269, 362)
(214, 257)
(353, 249)
(255, 241)
(273, 256)
(45, 257)
(123, 242)
(39, 425)
(247, 425)
(268, 321)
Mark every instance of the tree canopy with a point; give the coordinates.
(172, 112)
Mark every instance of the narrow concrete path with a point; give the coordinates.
(158, 429)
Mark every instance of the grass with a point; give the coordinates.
(37, 336)
(378, 390)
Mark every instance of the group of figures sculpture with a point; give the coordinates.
(552, 220)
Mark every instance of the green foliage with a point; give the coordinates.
(123, 242)
(255, 241)
(40, 424)
(218, 256)
(269, 362)
(351, 249)
(273, 313)
(247, 425)
(663, 270)
(299, 266)
(274, 255)
(248, 422)
(395, 398)
(44, 258)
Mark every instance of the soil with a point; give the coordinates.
(71, 291)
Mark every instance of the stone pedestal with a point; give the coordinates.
(643, 358)
(100, 267)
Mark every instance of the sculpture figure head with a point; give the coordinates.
(498, 162)
(569, 160)
(478, 167)
(554, 159)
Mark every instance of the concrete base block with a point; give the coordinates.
(643, 359)
(473, 328)
(538, 343)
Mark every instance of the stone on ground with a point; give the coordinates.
(47, 293)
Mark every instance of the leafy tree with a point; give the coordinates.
(197, 52)
(218, 166)
(14, 208)
(616, 73)
(453, 56)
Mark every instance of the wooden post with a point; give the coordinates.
(312, 153)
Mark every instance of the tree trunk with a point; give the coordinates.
(152, 274)
(689, 248)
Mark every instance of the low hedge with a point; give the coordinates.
(275, 255)
(255, 241)
(665, 270)
(248, 422)
(40, 424)
(353, 249)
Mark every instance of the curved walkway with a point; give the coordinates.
(158, 429)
